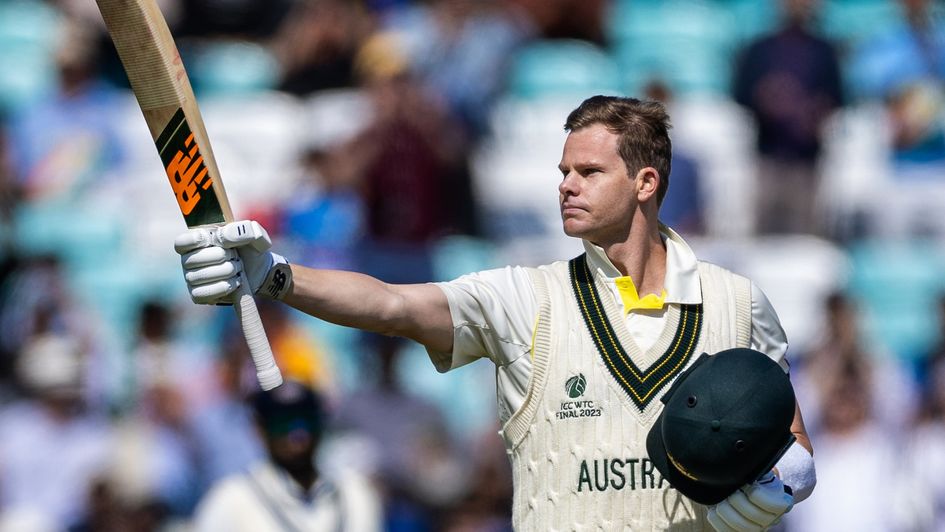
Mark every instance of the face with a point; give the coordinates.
(596, 195)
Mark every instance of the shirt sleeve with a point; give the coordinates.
(767, 335)
(493, 315)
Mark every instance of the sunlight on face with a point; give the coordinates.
(596, 195)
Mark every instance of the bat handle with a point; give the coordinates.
(267, 372)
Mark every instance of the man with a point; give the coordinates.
(790, 82)
(583, 349)
(288, 492)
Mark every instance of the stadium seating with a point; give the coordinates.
(28, 32)
(230, 67)
(561, 68)
(898, 284)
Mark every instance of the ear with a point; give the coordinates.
(647, 182)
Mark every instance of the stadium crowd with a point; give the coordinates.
(416, 141)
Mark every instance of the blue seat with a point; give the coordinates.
(28, 32)
(898, 285)
(29, 22)
(228, 68)
(562, 68)
(853, 21)
(688, 44)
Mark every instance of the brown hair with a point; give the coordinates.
(643, 127)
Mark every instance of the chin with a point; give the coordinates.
(573, 230)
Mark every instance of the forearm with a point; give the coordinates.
(351, 299)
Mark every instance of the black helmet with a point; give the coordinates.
(726, 422)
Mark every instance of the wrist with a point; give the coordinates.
(796, 469)
(278, 281)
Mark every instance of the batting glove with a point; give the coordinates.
(753, 508)
(214, 258)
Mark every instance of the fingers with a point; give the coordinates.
(212, 273)
(745, 508)
(193, 239)
(231, 235)
(243, 233)
(734, 519)
(752, 508)
(204, 257)
(717, 522)
(770, 496)
(213, 293)
(212, 264)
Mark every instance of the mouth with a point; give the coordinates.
(570, 210)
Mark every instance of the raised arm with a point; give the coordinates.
(213, 258)
(416, 311)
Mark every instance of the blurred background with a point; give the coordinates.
(418, 140)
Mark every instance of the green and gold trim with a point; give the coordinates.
(641, 386)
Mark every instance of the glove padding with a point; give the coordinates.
(212, 259)
(753, 507)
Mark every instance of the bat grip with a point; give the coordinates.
(267, 372)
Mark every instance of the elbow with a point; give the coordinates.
(391, 317)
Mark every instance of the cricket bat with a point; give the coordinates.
(160, 84)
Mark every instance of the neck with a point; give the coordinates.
(300, 468)
(304, 476)
(641, 256)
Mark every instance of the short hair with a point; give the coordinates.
(643, 128)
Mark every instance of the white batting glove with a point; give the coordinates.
(752, 508)
(212, 259)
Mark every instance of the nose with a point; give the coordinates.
(568, 185)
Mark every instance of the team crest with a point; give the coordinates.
(575, 386)
(577, 408)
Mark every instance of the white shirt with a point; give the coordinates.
(267, 500)
(494, 315)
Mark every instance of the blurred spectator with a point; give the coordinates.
(926, 451)
(288, 491)
(316, 45)
(298, 354)
(683, 207)
(487, 505)
(858, 465)
(574, 19)
(790, 82)
(51, 445)
(892, 389)
(9, 191)
(905, 67)
(241, 19)
(154, 465)
(36, 299)
(64, 143)
(325, 218)
(460, 48)
(420, 471)
(408, 155)
(226, 441)
(156, 355)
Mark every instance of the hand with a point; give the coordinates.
(752, 508)
(213, 258)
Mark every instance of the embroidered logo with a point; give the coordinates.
(575, 386)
